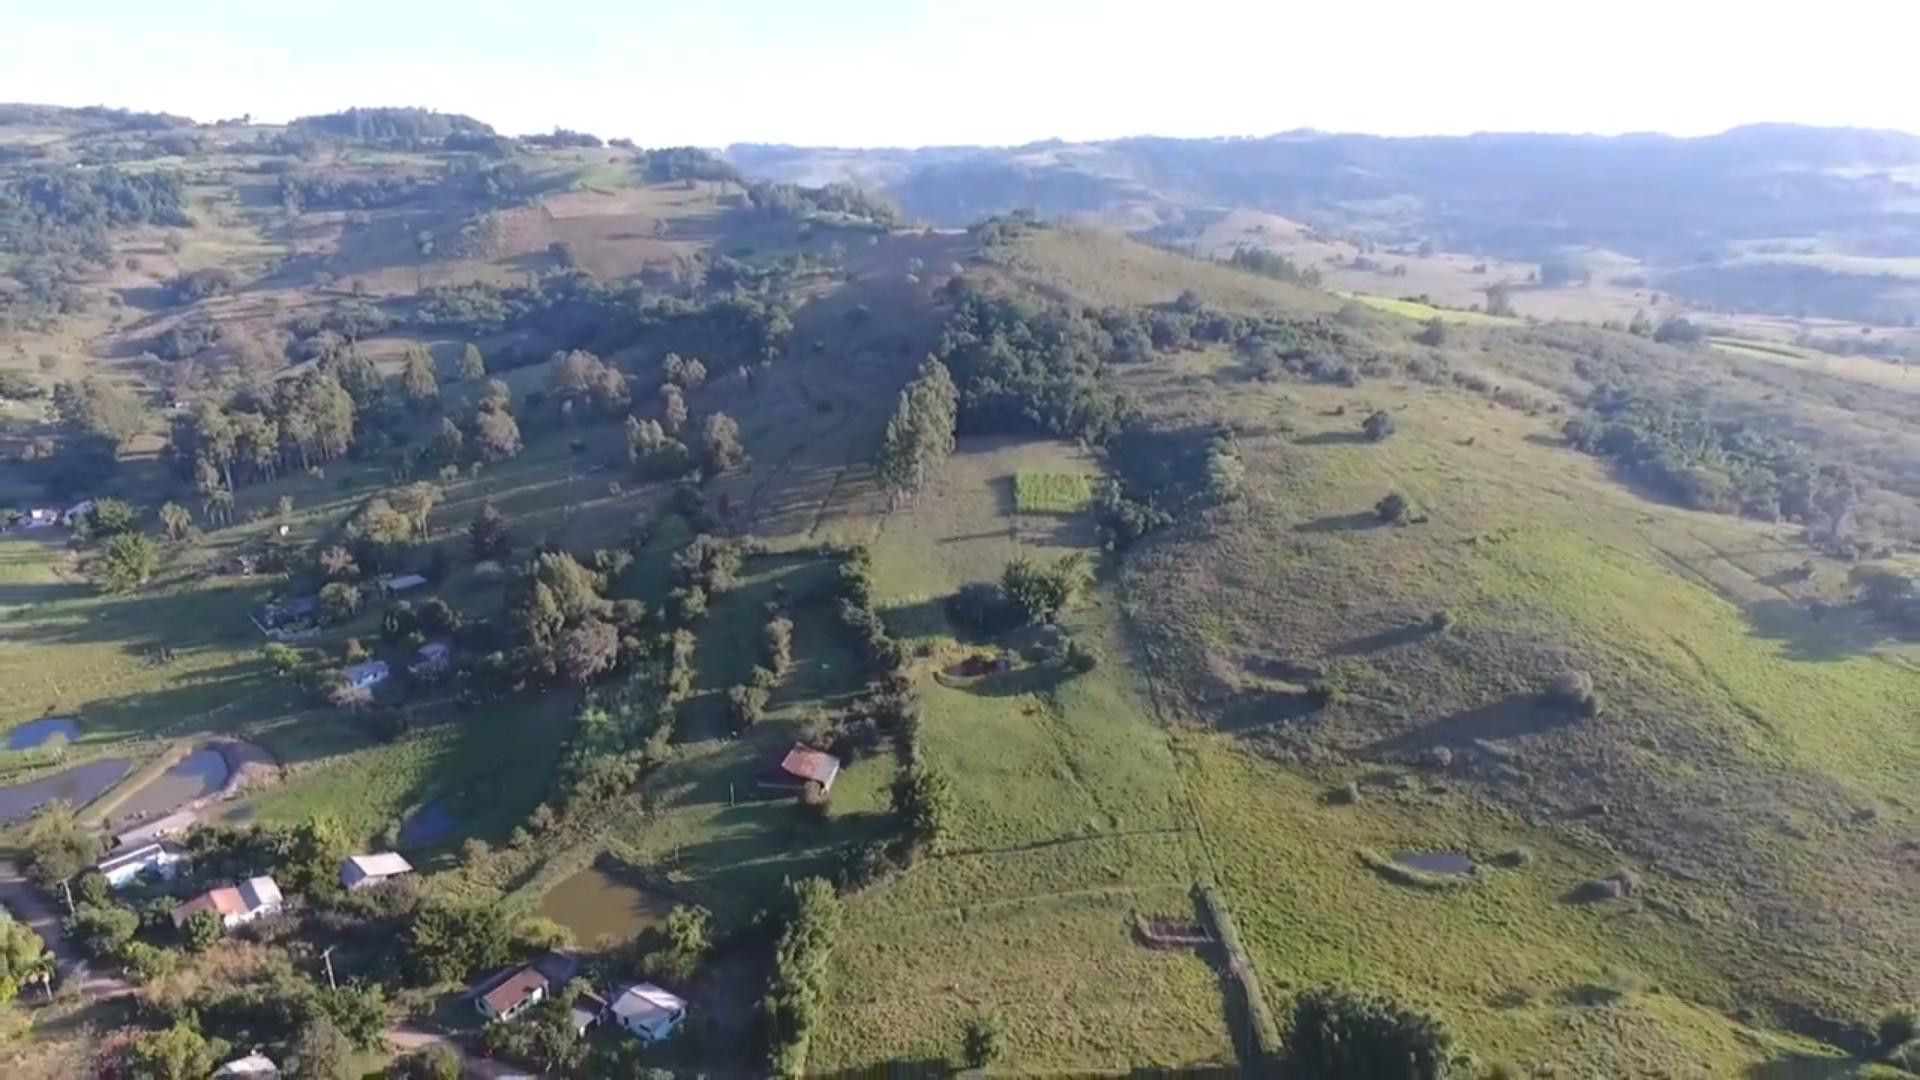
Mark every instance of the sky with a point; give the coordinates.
(874, 73)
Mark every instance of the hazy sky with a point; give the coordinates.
(866, 72)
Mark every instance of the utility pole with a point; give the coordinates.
(328, 957)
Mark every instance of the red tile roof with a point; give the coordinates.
(223, 901)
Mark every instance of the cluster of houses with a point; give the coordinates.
(647, 1012)
(242, 902)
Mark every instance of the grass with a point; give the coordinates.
(1051, 493)
(1413, 309)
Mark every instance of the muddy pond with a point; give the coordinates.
(42, 732)
(1435, 862)
(594, 904)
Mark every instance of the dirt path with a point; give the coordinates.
(407, 1039)
(24, 899)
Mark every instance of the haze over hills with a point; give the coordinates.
(1317, 606)
(1755, 218)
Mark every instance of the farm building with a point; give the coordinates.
(793, 769)
(361, 871)
(434, 656)
(235, 904)
(123, 868)
(368, 675)
(507, 995)
(649, 1013)
(400, 583)
(585, 1011)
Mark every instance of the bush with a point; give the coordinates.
(746, 705)
(1377, 426)
(1394, 508)
(791, 1006)
(1343, 1035)
(1573, 690)
(981, 1043)
(982, 607)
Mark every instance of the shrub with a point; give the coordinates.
(981, 1044)
(1441, 621)
(746, 705)
(1081, 658)
(792, 1003)
(1343, 1035)
(1573, 690)
(1377, 426)
(1897, 1028)
(776, 645)
(1394, 508)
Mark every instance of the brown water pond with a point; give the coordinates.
(78, 786)
(202, 772)
(595, 903)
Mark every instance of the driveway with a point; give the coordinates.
(29, 905)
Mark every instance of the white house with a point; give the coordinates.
(368, 675)
(361, 871)
(236, 905)
(649, 1013)
(256, 1065)
(122, 868)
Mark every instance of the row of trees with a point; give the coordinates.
(920, 435)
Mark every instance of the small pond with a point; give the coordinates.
(41, 732)
(1435, 862)
(594, 904)
(430, 824)
(79, 785)
(202, 772)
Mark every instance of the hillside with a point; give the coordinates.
(1772, 219)
(1186, 638)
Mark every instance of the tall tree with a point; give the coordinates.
(418, 382)
(720, 445)
(920, 435)
(487, 534)
(126, 563)
(673, 408)
(472, 364)
(496, 435)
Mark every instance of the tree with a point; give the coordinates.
(496, 434)
(445, 942)
(321, 1052)
(111, 517)
(177, 520)
(776, 644)
(746, 704)
(923, 800)
(1434, 334)
(720, 444)
(1679, 330)
(338, 564)
(1500, 300)
(447, 442)
(1377, 426)
(673, 406)
(126, 563)
(687, 374)
(1041, 593)
(102, 929)
(339, 602)
(472, 364)
(920, 434)
(97, 409)
(1393, 508)
(588, 649)
(285, 659)
(1341, 1035)
(418, 383)
(202, 931)
(178, 1053)
(23, 958)
(487, 533)
(57, 846)
(437, 1062)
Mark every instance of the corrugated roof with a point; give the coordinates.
(805, 763)
(381, 864)
(136, 856)
(647, 1003)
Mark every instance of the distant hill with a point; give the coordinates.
(1670, 202)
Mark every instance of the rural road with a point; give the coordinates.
(24, 899)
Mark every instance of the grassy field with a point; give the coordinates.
(1413, 309)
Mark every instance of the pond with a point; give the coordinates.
(1435, 862)
(79, 786)
(202, 772)
(594, 904)
(430, 824)
(41, 732)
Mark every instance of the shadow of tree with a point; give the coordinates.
(1817, 632)
(1332, 523)
(1510, 717)
(1332, 438)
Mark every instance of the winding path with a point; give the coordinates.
(29, 905)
